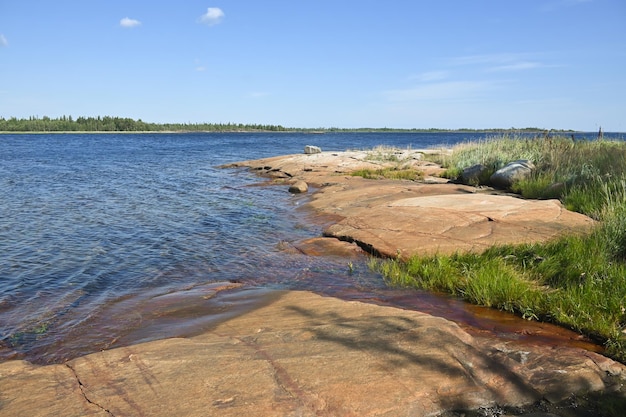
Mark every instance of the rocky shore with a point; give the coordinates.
(405, 218)
(301, 354)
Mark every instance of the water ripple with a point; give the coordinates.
(89, 221)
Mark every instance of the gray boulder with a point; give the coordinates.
(511, 172)
(475, 175)
(310, 149)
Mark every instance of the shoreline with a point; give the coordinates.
(306, 354)
(320, 132)
(393, 218)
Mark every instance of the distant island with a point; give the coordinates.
(124, 124)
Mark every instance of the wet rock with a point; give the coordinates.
(298, 187)
(320, 246)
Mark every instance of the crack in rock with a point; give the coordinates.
(285, 381)
(82, 391)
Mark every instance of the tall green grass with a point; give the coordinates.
(574, 171)
(578, 281)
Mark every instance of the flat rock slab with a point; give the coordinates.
(324, 167)
(451, 223)
(405, 218)
(307, 355)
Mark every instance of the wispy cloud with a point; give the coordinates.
(431, 76)
(213, 16)
(3, 41)
(200, 68)
(517, 66)
(449, 90)
(129, 23)
(499, 62)
(493, 59)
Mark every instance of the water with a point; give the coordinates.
(118, 238)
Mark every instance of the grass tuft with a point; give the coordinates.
(393, 173)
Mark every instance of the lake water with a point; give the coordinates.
(107, 239)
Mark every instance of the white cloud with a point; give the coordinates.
(200, 68)
(213, 16)
(3, 40)
(129, 23)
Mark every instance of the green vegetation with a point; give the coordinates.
(125, 124)
(583, 174)
(576, 281)
(121, 124)
(397, 165)
(393, 173)
(386, 154)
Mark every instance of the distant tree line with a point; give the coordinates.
(125, 124)
(120, 124)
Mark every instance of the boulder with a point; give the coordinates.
(475, 175)
(511, 172)
(298, 187)
(309, 149)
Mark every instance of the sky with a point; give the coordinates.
(552, 64)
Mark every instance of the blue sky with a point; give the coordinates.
(400, 63)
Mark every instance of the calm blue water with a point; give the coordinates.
(90, 221)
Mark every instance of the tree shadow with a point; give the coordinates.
(400, 344)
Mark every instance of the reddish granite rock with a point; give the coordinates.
(307, 355)
(408, 218)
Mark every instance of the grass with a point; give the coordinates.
(574, 171)
(385, 154)
(396, 165)
(578, 281)
(394, 173)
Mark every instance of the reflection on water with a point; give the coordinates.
(107, 240)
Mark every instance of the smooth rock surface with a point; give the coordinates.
(307, 355)
(310, 149)
(298, 187)
(514, 171)
(406, 218)
(475, 175)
